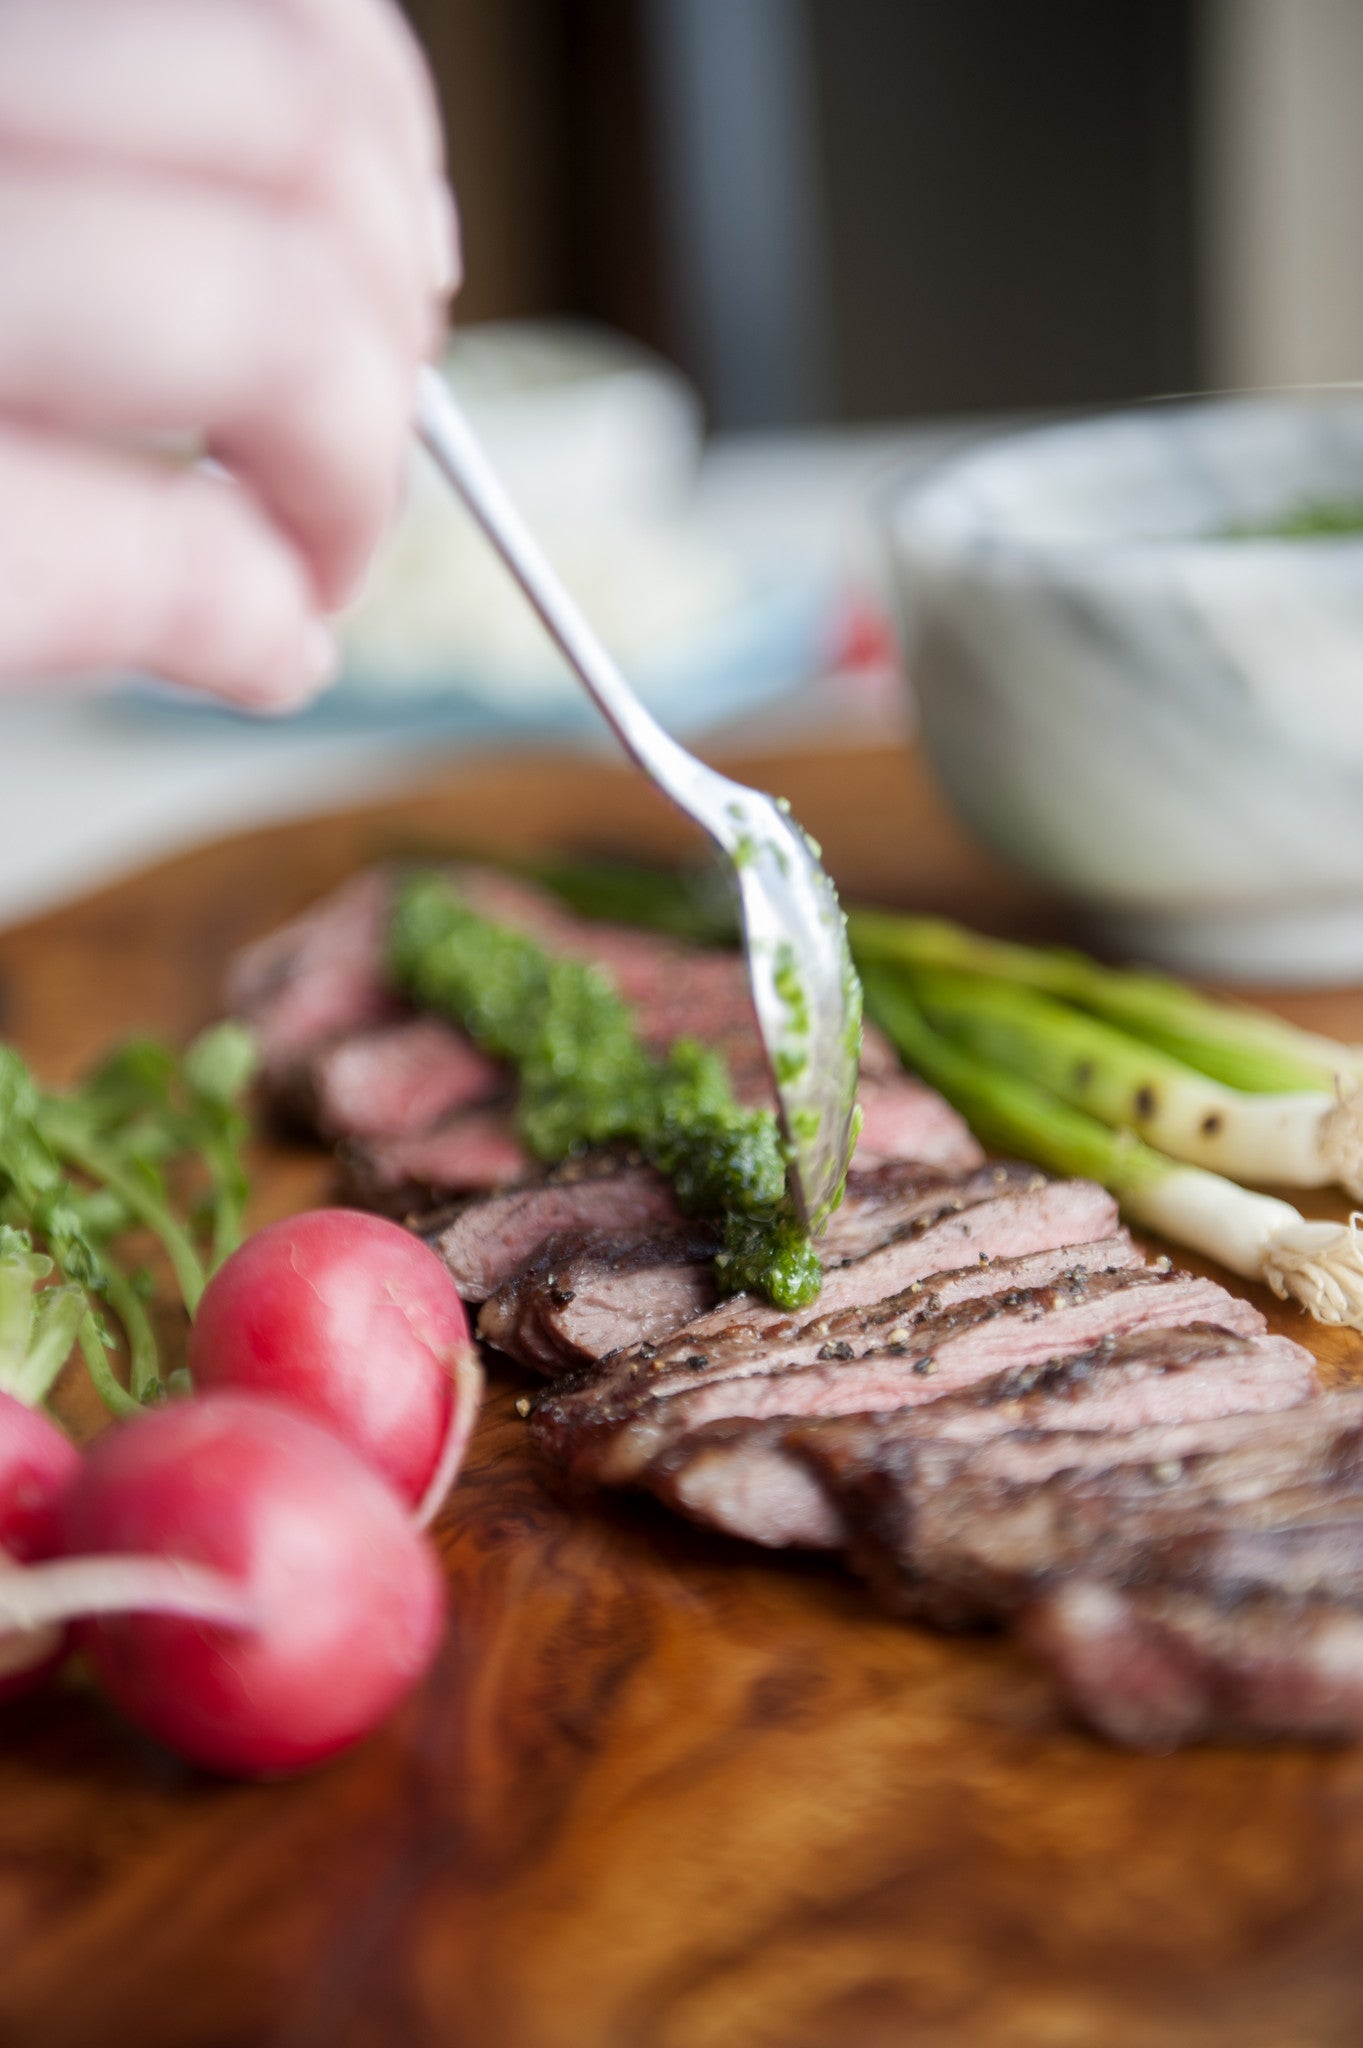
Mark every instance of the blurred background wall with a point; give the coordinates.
(861, 209)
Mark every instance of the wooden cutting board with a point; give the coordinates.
(661, 1791)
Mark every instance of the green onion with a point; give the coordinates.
(1306, 1138)
(1242, 1047)
(1319, 1265)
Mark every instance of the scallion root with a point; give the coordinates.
(1321, 1266)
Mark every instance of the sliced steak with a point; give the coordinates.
(490, 1240)
(581, 1298)
(890, 1325)
(824, 1477)
(317, 976)
(475, 1150)
(321, 978)
(1150, 1376)
(609, 1395)
(582, 1294)
(926, 1356)
(613, 1432)
(966, 1223)
(1154, 1667)
(396, 1079)
(891, 1199)
(742, 1478)
(902, 1118)
(962, 1533)
(1313, 1559)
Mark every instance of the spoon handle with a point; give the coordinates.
(449, 439)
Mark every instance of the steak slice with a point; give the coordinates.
(894, 1197)
(1190, 1374)
(1312, 1559)
(960, 1533)
(919, 1357)
(1154, 1667)
(902, 1118)
(582, 1297)
(922, 1358)
(610, 1395)
(490, 1240)
(741, 1478)
(395, 1079)
(582, 1293)
(317, 976)
(812, 1481)
(1037, 1215)
(675, 990)
(474, 1150)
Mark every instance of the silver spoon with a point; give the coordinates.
(805, 989)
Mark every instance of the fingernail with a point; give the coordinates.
(443, 230)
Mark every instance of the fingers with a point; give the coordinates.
(373, 38)
(155, 308)
(166, 84)
(233, 88)
(113, 561)
(226, 220)
(234, 91)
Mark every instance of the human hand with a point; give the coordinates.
(225, 219)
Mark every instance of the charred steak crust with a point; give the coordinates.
(906, 1362)
(584, 1292)
(1157, 1375)
(490, 1240)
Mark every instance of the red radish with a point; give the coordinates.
(357, 1323)
(262, 1597)
(37, 1466)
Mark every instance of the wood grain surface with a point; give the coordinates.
(660, 1791)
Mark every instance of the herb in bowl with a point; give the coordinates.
(1311, 519)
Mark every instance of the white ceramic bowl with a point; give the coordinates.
(1163, 721)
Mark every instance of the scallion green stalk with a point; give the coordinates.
(1304, 1138)
(1242, 1047)
(1319, 1265)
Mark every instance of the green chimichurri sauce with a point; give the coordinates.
(587, 1080)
